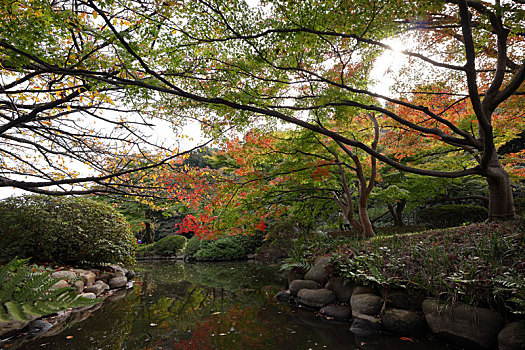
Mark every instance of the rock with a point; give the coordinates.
(37, 327)
(294, 274)
(103, 277)
(362, 290)
(365, 325)
(401, 300)
(336, 312)
(250, 256)
(402, 322)
(118, 274)
(315, 298)
(87, 276)
(283, 296)
(463, 325)
(88, 295)
(118, 282)
(343, 292)
(297, 285)
(70, 275)
(79, 286)
(97, 288)
(130, 274)
(512, 336)
(318, 272)
(60, 284)
(368, 304)
(117, 268)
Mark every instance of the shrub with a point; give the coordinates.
(442, 216)
(192, 246)
(227, 248)
(169, 245)
(65, 229)
(250, 242)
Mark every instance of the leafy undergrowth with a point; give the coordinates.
(481, 264)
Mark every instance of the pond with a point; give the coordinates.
(207, 306)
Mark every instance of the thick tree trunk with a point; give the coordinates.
(368, 230)
(501, 202)
(149, 236)
(397, 212)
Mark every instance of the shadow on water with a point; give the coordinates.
(206, 306)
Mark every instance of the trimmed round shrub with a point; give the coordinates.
(169, 245)
(442, 216)
(227, 248)
(192, 246)
(64, 229)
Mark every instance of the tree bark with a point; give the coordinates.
(147, 228)
(501, 201)
(397, 212)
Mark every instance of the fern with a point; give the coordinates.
(25, 292)
(289, 265)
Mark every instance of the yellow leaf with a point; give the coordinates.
(95, 14)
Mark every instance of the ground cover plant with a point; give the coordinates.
(480, 264)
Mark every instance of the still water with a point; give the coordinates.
(207, 306)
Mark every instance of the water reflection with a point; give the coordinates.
(207, 306)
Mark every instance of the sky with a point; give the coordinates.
(383, 72)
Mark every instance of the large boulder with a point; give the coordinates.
(464, 325)
(512, 336)
(365, 326)
(402, 322)
(336, 312)
(318, 272)
(367, 304)
(342, 291)
(118, 282)
(297, 285)
(315, 298)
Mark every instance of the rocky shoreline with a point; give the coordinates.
(371, 311)
(109, 284)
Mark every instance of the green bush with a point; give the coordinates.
(227, 248)
(250, 242)
(442, 216)
(169, 245)
(64, 229)
(192, 246)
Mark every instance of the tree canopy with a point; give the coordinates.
(232, 64)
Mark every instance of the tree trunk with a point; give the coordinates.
(149, 236)
(501, 202)
(397, 212)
